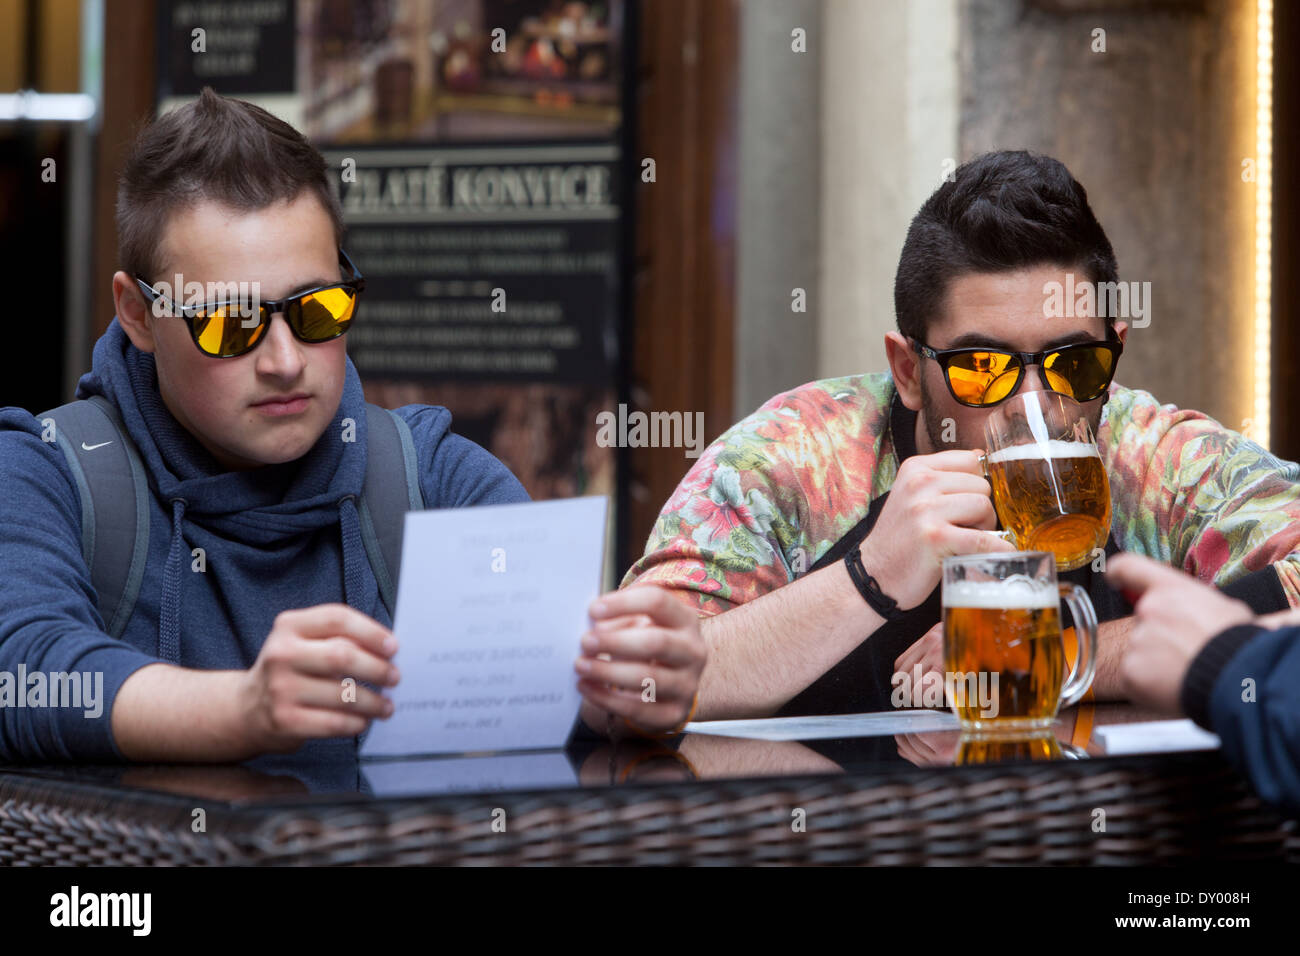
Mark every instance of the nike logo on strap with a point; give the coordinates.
(86, 447)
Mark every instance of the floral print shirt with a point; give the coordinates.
(777, 490)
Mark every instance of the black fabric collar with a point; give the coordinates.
(902, 428)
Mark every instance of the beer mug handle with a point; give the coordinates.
(1005, 535)
(1085, 665)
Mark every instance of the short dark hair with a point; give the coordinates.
(218, 149)
(1000, 211)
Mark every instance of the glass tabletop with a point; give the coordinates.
(740, 749)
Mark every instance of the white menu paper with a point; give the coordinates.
(1154, 736)
(832, 727)
(491, 608)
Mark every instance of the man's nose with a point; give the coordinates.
(1033, 379)
(281, 354)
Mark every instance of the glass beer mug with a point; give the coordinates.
(1004, 656)
(1049, 486)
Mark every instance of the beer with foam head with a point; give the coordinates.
(1004, 657)
(1052, 496)
(1012, 630)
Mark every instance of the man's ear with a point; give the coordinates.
(1121, 329)
(905, 366)
(132, 311)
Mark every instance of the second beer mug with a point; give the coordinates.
(1004, 657)
(1049, 486)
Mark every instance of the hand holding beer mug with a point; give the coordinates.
(1049, 487)
(1004, 656)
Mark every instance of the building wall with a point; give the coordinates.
(1156, 128)
(778, 230)
(889, 123)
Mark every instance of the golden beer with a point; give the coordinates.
(978, 748)
(1011, 629)
(1053, 496)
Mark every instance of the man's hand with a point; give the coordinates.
(294, 691)
(642, 658)
(1289, 618)
(1175, 616)
(927, 652)
(939, 505)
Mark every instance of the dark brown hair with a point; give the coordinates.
(218, 149)
(1001, 211)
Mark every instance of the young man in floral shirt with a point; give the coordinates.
(879, 467)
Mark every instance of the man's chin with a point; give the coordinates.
(286, 450)
(273, 450)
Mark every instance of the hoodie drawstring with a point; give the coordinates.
(353, 574)
(169, 630)
(350, 524)
(169, 618)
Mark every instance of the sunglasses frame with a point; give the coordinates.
(268, 308)
(1025, 359)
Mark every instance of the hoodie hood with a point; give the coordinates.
(267, 507)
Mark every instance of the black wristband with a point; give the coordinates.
(877, 599)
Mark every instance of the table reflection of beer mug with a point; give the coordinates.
(989, 748)
(1004, 655)
(1049, 486)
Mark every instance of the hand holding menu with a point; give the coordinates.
(491, 608)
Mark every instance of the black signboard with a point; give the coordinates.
(234, 46)
(489, 261)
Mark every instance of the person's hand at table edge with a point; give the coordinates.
(641, 661)
(1196, 652)
(295, 691)
(1175, 616)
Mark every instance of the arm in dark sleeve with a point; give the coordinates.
(454, 471)
(49, 619)
(1242, 686)
(1261, 589)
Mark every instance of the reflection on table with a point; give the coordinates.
(332, 768)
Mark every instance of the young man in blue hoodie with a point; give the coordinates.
(243, 653)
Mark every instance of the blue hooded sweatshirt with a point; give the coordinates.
(1241, 686)
(274, 538)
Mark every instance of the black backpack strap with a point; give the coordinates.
(114, 502)
(389, 493)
